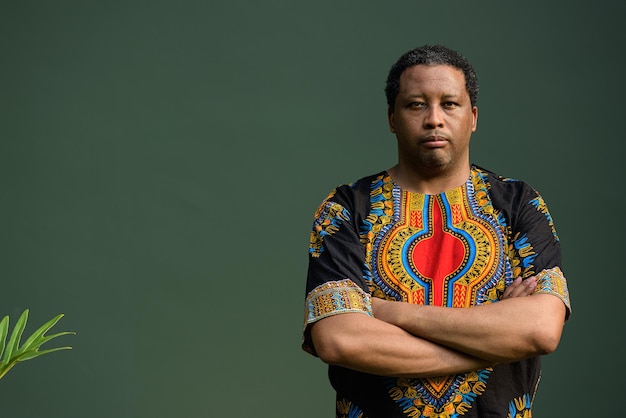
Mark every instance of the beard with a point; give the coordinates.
(434, 160)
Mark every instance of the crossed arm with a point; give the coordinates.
(421, 341)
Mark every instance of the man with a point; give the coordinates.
(434, 286)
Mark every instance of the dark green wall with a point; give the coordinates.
(160, 163)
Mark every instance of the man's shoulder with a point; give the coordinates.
(506, 193)
(364, 184)
(499, 181)
(492, 176)
(356, 196)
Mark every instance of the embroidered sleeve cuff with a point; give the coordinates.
(553, 282)
(333, 298)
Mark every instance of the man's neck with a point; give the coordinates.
(429, 182)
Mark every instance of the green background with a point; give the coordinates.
(160, 164)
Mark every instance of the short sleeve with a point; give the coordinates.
(335, 279)
(535, 247)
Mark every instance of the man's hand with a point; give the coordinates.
(384, 310)
(520, 287)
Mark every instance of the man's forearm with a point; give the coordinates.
(360, 342)
(505, 331)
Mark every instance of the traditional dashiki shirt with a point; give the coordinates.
(459, 248)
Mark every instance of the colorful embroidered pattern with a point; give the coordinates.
(520, 407)
(438, 397)
(553, 282)
(522, 256)
(346, 409)
(541, 207)
(327, 221)
(332, 298)
(383, 199)
(444, 250)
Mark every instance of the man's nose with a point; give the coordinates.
(433, 117)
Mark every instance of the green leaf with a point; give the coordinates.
(16, 335)
(45, 339)
(30, 349)
(33, 340)
(5, 369)
(4, 330)
(33, 353)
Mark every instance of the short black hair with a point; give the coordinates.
(431, 55)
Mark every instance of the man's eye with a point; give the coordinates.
(450, 105)
(417, 105)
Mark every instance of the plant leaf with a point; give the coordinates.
(4, 330)
(16, 335)
(30, 349)
(37, 345)
(37, 335)
(32, 354)
(5, 369)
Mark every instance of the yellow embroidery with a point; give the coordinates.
(553, 282)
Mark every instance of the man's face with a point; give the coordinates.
(433, 118)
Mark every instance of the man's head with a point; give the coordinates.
(431, 55)
(432, 114)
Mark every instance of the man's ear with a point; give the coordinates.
(475, 121)
(392, 125)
